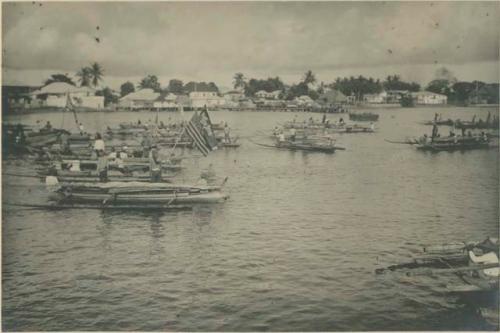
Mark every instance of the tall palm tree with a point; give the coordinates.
(239, 81)
(97, 72)
(309, 77)
(84, 76)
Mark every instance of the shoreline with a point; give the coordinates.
(303, 110)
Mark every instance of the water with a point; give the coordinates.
(294, 249)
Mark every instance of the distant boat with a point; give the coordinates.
(366, 116)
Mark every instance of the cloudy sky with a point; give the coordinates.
(211, 41)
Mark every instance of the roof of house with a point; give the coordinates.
(143, 94)
(426, 93)
(233, 92)
(61, 88)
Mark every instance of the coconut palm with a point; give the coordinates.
(309, 77)
(84, 76)
(239, 81)
(96, 73)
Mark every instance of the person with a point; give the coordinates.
(324, 118)
(82, 129)
(102, 166)
(112, 155)
(38, 126)
(227, 138)
(64, 143)
(154, 165)
(293, 133)
(124, 152)
(146, 145)
(469, 134)
(484, 136)
(209, 175)
(48, 126)
(19, 135)
(139, 122)
(341, 121)
(99, 143)
(372, 126)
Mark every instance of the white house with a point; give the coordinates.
(375, 98)
(268, 95)
(304, 100)
(168, 101)
(429, 98)
(141, 99)
(234, 95)
(200, 99)
(56, 96)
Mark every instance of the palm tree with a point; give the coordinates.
(84, 76)
(97, 72)
(239, 81)
(309, 77)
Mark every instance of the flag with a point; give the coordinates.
(200, 131)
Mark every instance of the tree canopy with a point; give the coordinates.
(59, 78)
(175, 86)
(269, 85)
(150, 82)
(239, 81)
(126, 88)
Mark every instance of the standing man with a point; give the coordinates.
(154, 165)
(102, 166)
(227, 138)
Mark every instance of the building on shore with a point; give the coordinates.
(375, 98)
(268, 95)
(201, 99)
(394, 96)
(143, 99)
(55, 95)
(17, 96)
(429, 98)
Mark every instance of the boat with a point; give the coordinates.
(454, 145)
(137, 193)
(365, 116)
(307, 147)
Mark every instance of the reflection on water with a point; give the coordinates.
(294, 248)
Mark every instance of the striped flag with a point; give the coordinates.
(200, 131)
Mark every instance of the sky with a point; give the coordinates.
(210, 41)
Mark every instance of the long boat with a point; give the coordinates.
(365, 116)
(137, 193)
(323, 148)
(454, 144)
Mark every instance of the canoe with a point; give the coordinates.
(453, 146)
(303, 147)
(363, 116)
(138, 193)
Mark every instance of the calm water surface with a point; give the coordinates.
(294, 248)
